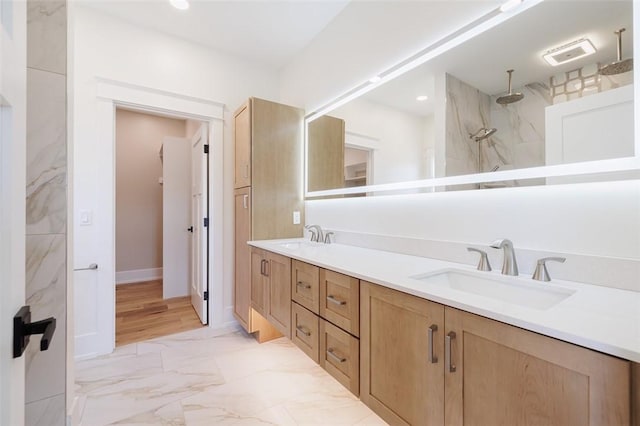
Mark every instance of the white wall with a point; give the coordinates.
(112, 49)
(398, 139)
(601, 219)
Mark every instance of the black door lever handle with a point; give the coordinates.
(23, 328)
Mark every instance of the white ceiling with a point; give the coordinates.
(518, 44)
(266, 31)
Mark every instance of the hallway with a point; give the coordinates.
(142, 313)
(202, 377)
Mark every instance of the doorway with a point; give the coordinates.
(161, 234)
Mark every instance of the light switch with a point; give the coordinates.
(296, 217)
(85, 217)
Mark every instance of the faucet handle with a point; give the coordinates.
(483, 264)
(314, 232)
(541, 273)
(327, 237)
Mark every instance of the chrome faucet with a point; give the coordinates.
(509, 264)
(316, 232)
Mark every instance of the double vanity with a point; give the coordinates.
(425, 341)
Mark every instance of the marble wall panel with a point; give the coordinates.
(46, 294)
(46, 153)
(47, 35)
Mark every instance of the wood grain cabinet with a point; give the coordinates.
(340, 300)
(426, 364)
(340, 355)
(305, 331)
(305, 285)
(268, 145)
(270, 288)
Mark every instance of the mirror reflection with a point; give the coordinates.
(553, 85)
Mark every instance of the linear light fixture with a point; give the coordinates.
(569, 52)
(510, 4)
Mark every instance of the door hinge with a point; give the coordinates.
(206, 222)
(206, 149)
(206, 295)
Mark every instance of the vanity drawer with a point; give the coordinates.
(305, 330)
(340, 300)
(340, 355)
(305, 281)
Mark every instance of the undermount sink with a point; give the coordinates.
(536, 295)
(295, 245)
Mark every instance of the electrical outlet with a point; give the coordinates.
(296, 217)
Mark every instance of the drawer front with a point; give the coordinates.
(305, 330)
(340, 300)
(305, 281)
(340, 355)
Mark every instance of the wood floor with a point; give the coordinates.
(142, 314)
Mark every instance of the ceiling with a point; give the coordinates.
(267, 31)
(517, 44)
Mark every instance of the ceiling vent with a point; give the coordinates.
(569, 52)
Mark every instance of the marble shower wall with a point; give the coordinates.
(46, 207)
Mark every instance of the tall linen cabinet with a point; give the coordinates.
(268, 179)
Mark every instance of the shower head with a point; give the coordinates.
(482, 134)
(510, 97)
(620, 66)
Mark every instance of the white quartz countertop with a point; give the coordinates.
(601, 318)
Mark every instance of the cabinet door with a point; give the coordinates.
(242, 284)
(399, 379)
(242, 141)
(305, 330)
(509, 376)
(340, 300)
(258, 281)
(279, 292)
(340, 355)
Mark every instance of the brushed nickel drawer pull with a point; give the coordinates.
(303, 284)
(335, 357)
(331, 298)
(432, 329)
(447, 351)
(245, 201)
(303, 330)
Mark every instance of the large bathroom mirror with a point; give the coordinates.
(568, 100)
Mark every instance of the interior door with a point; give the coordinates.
(12, 203)
(200, 217)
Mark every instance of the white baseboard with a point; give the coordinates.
(138, 275)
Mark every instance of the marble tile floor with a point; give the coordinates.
(208, 377)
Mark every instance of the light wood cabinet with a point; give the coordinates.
(507, 375)
(326, 153)
(423, 363)
(242, 294)
(397, 378)
(305, 327)
(268, 139)
(340, 300)
(340, 355)
(305, 283)
(270, 288)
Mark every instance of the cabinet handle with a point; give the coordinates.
(245, 201)
(262, 268)
(432, 358)
(335, 357)
(331, 298)
(303, 330)
(303, 284)
(447, 351)
(246, 171)
(266, 268)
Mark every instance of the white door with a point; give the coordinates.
(176, 216)
(199, 215)
(13, 95)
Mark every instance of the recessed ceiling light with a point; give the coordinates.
(422, 98)
(569, 52)
(180, 4)
(509, 4)
(375, 79)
